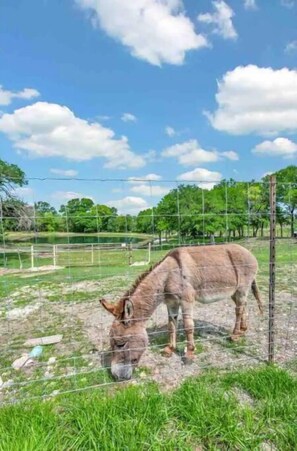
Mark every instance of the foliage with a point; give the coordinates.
(251, 409)
(229, 209)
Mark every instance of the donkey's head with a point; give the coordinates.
(128, 338)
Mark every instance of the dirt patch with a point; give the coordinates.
(85, 327)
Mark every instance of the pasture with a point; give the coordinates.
(239, 410)
(65, 301)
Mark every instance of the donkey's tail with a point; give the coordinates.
(256, 293)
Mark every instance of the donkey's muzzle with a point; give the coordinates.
(121, 371)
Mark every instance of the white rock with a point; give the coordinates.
(51, 361)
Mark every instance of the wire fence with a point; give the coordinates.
(51, 284)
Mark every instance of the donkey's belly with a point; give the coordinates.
(208, 297)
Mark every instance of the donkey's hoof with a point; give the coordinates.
(167, 351)
(188, 358)
(236, 337)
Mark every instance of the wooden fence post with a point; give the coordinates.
(32, 256)
(272, 198)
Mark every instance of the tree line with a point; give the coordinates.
(230, 208)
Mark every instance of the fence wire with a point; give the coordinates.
(51, 283)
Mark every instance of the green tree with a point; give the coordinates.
(78, 215)
(10, 177)
(287, 192)
(12, 210)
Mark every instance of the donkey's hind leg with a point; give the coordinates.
(239, 297)
(172, 308)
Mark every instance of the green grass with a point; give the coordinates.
(209, 411)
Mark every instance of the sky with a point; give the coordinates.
(145, 95)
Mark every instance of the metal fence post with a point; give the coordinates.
(272, 200)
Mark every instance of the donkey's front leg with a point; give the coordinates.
(172, 309)
(187, 311)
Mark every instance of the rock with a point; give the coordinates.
(19, 363)
(19, 313)
(55, 392)
(7, 383)
(48, 374)
(53, 339)
(51, 361)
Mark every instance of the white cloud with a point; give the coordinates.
(266, 173)
(103, 117)
(190, 153)
(6, 97)
(203, 178)
(153, 30)
(250, 4)
(230, 155)
(129, 205)
(142, 178)
(128, 117)
(291, 47)
(68, 195)
(151, 156)
(288, 3)
(150, 190)
(256, 100)
(144, 188)
(221, 20)
(280, 147)
(23, 192)
(170, 131)
(50, 130)
(64, 172)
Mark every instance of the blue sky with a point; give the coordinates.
(159, 89)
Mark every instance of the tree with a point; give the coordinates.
(78, 215)
(11, 209)
(287, 192)
(10, 176)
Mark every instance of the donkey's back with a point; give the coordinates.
(212, 273)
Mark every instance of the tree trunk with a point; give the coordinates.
(292, 223)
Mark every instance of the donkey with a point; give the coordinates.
(187, 274)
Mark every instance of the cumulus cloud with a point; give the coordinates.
(128, 117)
(257, 100)
(280, 147)
(153, 30)
(146, 189)
(203, 177)
(170, 131)
(288, 3)
(68, 195)
(291, 47)
(250, 4)
(64, 172)
(129, 205)
(230, 155)
(142, 178)
(51, 130)
(23, 192)
(220, 19)
(6, 97)
(190, 153)
(142, 185)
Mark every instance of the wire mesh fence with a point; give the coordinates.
(56, 266)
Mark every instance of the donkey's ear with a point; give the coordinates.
(111, 308)
(128, 311)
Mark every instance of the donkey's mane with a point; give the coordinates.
(141, 277)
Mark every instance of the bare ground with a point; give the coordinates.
(85, 328)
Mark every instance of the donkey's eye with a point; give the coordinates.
(120, 345)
